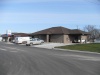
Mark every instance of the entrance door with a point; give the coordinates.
(49, 38)
(75, 39)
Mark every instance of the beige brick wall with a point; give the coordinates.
(84, 37)
(60, 38)
(43, 37)
(67, 39)
(57, 38)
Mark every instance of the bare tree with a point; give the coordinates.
(94, 32)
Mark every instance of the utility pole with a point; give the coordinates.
(77, 26)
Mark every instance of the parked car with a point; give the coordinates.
(97, 41)
(34, 41)
(83, 41)
(13, 41)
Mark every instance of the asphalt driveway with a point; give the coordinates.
(23, 60)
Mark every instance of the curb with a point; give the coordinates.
(64, 49)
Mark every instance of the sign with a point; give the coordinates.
(8, 32)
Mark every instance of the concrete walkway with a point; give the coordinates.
(50, 45)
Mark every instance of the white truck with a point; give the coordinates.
(20, 40)
(0, 38)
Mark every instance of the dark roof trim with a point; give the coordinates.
(59, 30)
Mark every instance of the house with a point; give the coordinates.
(5, 37)
(9, 38)
(19, 35)
(61, 35)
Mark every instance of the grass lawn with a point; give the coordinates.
(93, 47)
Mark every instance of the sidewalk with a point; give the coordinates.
(50, 45)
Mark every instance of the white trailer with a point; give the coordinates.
(0, 38)
(20, 40)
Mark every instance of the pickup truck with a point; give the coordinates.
(34, 41)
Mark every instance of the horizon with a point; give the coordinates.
(77, 27)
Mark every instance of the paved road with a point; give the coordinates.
(22, 60)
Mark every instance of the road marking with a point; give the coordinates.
(10, 47)
(14, 48)
(8, 43)
(3, 49)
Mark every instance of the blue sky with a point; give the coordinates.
(34, 15)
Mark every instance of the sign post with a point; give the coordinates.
(8, 33)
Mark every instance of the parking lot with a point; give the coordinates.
(45, 45)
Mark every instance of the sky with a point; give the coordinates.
(33, 15)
